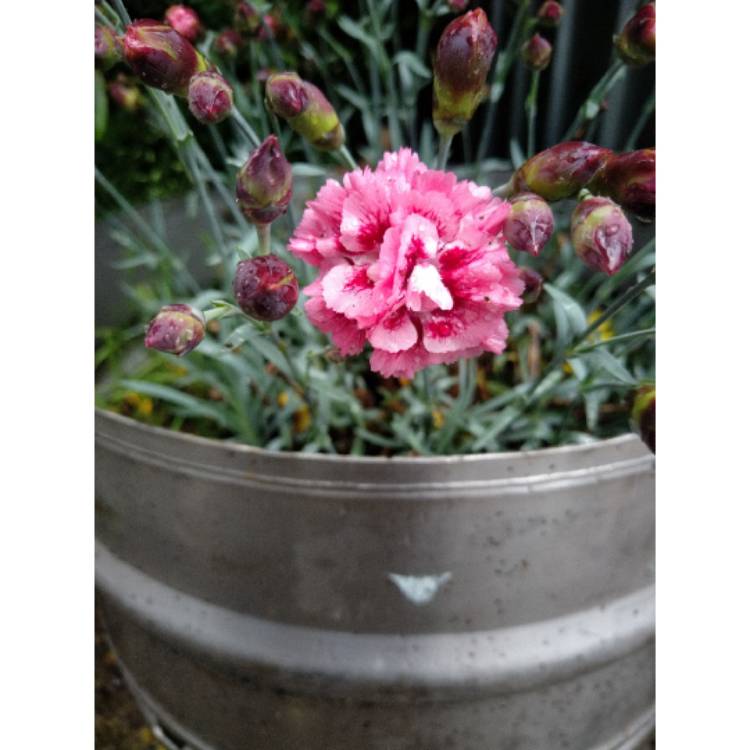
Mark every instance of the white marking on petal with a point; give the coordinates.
(425, 280)
(419, 590)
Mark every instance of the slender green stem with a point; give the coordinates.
(148, 233)
(221, 311)
(347, 156)
(191, 161)
(427, 387)
(221, 189)
(245, 127)
(300, 382)
(444, 148)
(504, 190)
(503, 65)
(122, 12)
(423, 36)
(467, 382)
(614, 308)
(592, 106)
(531, 109)
(264, 238)
(646, 112)
(386, 70)
(643, 333)
(104, 19)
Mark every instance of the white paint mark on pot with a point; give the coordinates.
(419, 590)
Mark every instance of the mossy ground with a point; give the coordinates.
(119, 723)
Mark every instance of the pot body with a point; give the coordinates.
(272, 601)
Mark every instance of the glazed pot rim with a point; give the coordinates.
(197, 441)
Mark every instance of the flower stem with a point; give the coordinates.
(444, 149)
(122, 12)
(531, 110)
(264, 238)
(245, 127)
(646, 112)
(503, 65)
(148, 233)
(592, 106)
(347, 156)
(643, 333)
(614, 308)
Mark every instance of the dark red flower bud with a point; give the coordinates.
(550, 14)
(228, 44)
(306, 109)
(264, 184)
(636, 44)
(125, 93)
(271, 28)
(107, 48)
(537, 52)
(265, 287)
(315, 7)
(246, 19)
(209, 97)
(462, 61)
(458, 6)
(630, 179)
(176, 329)
(161, 57)
(643, 415)
(184, 21)
(533, 283)
(530, 223)
(561, 171)
(601, 234)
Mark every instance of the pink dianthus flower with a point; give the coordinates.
(412, 261)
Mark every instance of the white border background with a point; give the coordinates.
(46, 387)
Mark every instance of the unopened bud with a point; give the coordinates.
(209, 97)
(550, 14)
(107, 48)
(125, 93)
(264, 184)
(265, 287)
(315, 7)
(228, 44)
(306, 109)
(560, 171)
(533, 283)
(530, 223)
(161, 57)
(636, 44)
(462, 60)
(601, 234)
(458, 6)
(537, 52)
(176, 329)
(246, 19)
(184, 21)
(630, 179)
(271, 28)
(643, 415)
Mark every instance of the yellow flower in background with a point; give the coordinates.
(438, 418)
(302, 418)
(142, 405)
(605, 331)
(282, 399)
